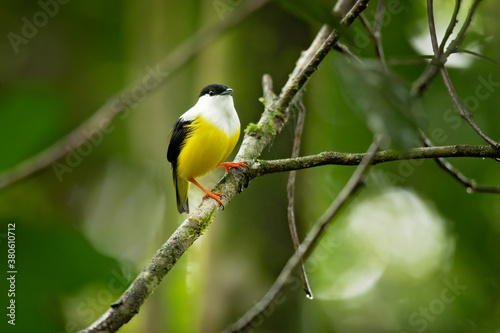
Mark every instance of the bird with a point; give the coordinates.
(201, 139)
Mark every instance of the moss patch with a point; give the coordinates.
(253, 128)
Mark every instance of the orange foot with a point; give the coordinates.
(213, 195)
(229, 165)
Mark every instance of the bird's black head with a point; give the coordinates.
(216, 89)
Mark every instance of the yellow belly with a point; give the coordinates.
(204, 148)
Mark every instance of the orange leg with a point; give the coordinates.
(229, 165)
(213, 195)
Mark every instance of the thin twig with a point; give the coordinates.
(346, 52)
(126, 98)
(432, 28)
(379, 16)
(423, 81)
(377, 29)
(455, 44)
(439, 59)
(410, 60)
(464, 113)
(263, 167)
(366, 24)
(451, 25)
(480, 56)
(290, 188)
(421, 84)
(245, 322)
(469, 184)
(375, 32)
(432, 69)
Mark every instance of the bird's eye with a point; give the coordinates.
(211, 93)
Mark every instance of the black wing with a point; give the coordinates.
(179, 134)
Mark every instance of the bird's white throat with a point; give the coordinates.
(218, 110)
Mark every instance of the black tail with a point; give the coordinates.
(181, 193)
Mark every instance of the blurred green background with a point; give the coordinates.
(413, 252)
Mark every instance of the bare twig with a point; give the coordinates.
(410, 60)
(480, 56)
(432, 28)
(455, 44)
(263, 167)
(423, 81)
(117, 104)
(451, 25)
(432, 69)
(291, 193)
(440, 59)
(375, 33)
(367, 25)
(379, 17)
(245, 322)
(469, 184)
(464, 113)
(346, 52)
(377, 30)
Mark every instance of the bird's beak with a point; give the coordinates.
(228, 91)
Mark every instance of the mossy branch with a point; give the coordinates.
(273, 119)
